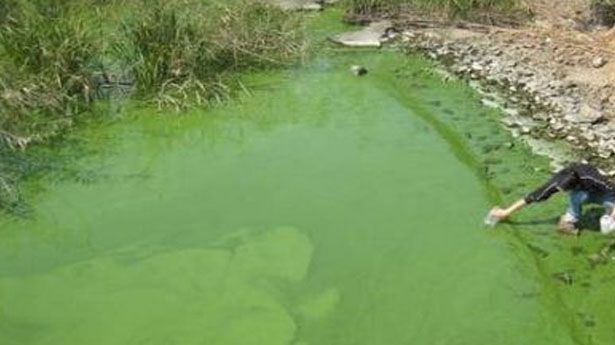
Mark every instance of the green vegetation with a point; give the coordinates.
(57, 57)
(184, 56)
(479, 10)
(55, 54)
(603, 12)
(50, 61)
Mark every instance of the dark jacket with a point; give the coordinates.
(582, 177)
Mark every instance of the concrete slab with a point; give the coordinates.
(371, 36)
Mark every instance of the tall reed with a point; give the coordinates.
(49, 67)
(186, 57)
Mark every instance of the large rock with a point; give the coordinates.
(371, 36)
(586, 114)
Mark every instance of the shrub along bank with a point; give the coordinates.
(56, 56)
(487, 11)
(186, 58)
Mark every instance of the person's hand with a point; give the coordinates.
(498, 213)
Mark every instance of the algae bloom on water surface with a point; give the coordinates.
(308, 213)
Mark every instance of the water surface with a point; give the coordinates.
(323, 209)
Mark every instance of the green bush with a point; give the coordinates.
(603, 12)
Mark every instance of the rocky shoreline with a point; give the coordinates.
(537, 98)
(540, 105)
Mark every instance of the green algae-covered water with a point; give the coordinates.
(323, 209)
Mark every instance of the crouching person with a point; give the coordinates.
(584, 184)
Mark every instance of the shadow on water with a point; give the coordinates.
(590, 221)
(535, 222)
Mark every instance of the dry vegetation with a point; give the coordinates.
(484, 11)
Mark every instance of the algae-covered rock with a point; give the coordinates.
(358, 70)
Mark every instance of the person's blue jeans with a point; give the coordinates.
(578, 198)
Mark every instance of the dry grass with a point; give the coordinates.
(484, 11)
(48, 67)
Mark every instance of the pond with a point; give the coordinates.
(322, 209)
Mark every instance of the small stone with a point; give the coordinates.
(489, 103)
(599, 62)
(358, 70)
(604, 153)
(477, 66)
(572, 139)
(409, 34)
(588, 135)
